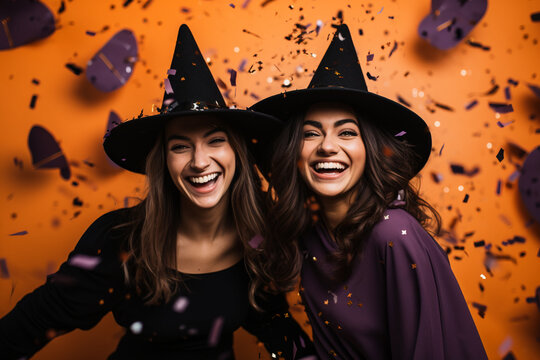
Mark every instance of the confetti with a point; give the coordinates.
(401, 133)
(535, 16)
(90, 33)
(501, 108)
(500, 155)
(449, 22)
(403, 101)
(371, 77)
(535, 89)
(466, 198)
(4, 272)
(501, 124)
(74, 68)
(459, 169)
(369, 57)
(255, 241)
(33, 101)
(233, 76)
(481, 309)
(24, 232)
(136, 327)
(440, 151)
(85, 262)
(181, 304)
(112, 66)
(499, 186)
(479, 243)
(393, 49)
(24, 21)
(215, 331)
(477, 45)
(46, 152)
(62, 7)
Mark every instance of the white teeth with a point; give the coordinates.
(203, 179)
(329, 165)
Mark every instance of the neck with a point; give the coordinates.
(204, 224)
(334, 209)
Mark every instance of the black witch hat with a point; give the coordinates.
(339, 78)
(190, 89)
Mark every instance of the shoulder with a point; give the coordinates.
(399, 230)
(105, 231)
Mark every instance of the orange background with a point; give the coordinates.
(40, 202)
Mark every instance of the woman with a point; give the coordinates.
(345, 218)
(171, 269)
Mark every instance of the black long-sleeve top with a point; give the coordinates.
(198, 322)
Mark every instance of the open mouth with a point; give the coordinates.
(203, 180)
(329, 167)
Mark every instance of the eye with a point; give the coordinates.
(348, 133)
(310, 133)
(179, 147)
(217, 140)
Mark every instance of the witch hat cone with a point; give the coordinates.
(339, 79)
(190, 89)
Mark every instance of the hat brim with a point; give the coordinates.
(383, 112)
(129, 143)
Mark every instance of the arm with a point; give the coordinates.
(428, 317)
(278, 330)
(84, 289)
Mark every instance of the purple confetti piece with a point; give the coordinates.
(24, 232)
(393, 49)
(46, 152)
(255, 241)
(380, 11)
(498, 189)
(242, 65)
(370, 57)
(24, 21)
(505, 346)
(507, 94)
(85, 262)
(185, 10)
(168, 87)
(4, 272)
(513, 176)
(440, 151)
(450, 21)
(470, 105)
(535, 89)
(437, 178)
(245, 4)
(112, 66)
(319, 26)
(529, 183)
(215, 332)
(403, 101)
(232, 5)
(501, 124)
(90, 33)
(501, 108)
(181, 304)
(171, 72)
(401, 133)
(233, 76)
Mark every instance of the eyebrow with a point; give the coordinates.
(338, 123)
(206, 134)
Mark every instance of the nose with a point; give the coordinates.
(327, 146)
(200, 159)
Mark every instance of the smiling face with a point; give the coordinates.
(333, 155)
(200, 159)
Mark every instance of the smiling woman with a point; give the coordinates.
(176, 269)
(345, 218)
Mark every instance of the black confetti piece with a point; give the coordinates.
(501, 108)
(62, 7)
(33, 101)
(500, 155)
(535, 16)
(481, 309)
(74, 68)
(371, 77)
(466, 198)
(479, 243)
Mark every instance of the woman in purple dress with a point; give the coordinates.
(345, 218)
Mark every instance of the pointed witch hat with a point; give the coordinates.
(190, 90)
(339, 78)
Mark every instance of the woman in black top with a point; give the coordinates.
(174, 270)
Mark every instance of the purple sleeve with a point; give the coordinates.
(428, 317)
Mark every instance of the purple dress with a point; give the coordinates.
(402, 300)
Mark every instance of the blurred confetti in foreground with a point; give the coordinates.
(113, 64)
(46, 152)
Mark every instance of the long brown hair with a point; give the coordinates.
(151, 242)
(389, 166)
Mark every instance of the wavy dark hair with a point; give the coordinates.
(292, 207)
(151, 239)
